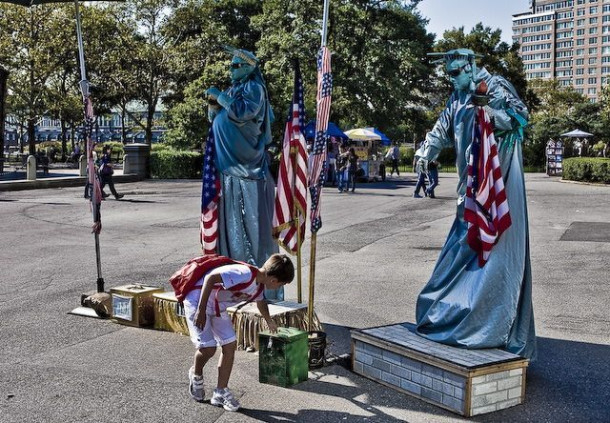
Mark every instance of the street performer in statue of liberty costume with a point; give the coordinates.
(241, 119)
(480, 292)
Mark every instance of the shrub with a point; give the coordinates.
(175, 164)
(406, 155)
(589, 169)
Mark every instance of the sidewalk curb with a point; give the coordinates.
(60, 182)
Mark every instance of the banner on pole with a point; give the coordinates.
(317, 158)
(291, 197)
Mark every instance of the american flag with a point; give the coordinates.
(93, 177)
(210, 197)
(486, 206)
(317, 158)
(291, 197)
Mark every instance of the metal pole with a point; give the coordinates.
(312, 277)
(325, 22)
(84, 86)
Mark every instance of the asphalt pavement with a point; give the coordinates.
(375, 251)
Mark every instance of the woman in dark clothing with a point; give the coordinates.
(352, 168)
(106, 172)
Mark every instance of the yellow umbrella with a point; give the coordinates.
(363, 134)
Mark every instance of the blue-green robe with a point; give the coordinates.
(242, 130)
(463, 304)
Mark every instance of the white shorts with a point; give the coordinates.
(217, 330)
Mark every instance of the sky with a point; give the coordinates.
(447, 14)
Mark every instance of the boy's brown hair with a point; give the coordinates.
(280, 266)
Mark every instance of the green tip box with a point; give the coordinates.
(283, 357)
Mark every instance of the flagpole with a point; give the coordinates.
(312, 258)
(84, 86)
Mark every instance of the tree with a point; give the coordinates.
(27, 51)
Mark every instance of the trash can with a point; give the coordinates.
(317, 349)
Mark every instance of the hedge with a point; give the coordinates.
(175, 164)
(589, 169)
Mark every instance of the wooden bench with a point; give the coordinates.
(467, 382)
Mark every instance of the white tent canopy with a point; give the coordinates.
(577, 133)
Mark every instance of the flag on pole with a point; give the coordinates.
(291, 196)
(93, 177)
(317, 158)
(210, 198)
(486, 206)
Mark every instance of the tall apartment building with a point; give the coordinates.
(566, 40)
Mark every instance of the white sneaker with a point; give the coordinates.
(196, 386)
(225, 399)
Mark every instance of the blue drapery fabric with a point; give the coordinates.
(242, 128)
(491, 306)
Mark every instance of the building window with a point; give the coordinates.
(593, 20)
(592, 90)
(580, 62)
(593, 40)
(580, 42)
(580, 81)
(592, 71)
(593, 50)
(580, 71)
(592, 60)
(580, 32)
(580, 12)
(593, 10)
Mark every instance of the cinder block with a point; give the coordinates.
(371, 372)
(390, 378)
(373, 350)
(509, 403)
(392, 357)
(514, 393)
(437, 385)
(384, 366)
(410, 386)
(454, 379)
(516, 372)
(479, 379)
(453, 403)
(508, 383)
(484, 388)
(364, 358)
(431, 394)
(400, 371)
(458, 393)
(497, 376)
(358, 367)
(412, 365)
(448, 389)
(433, 372)
(483, 410)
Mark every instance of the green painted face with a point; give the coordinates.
(460, 74)
(240, 69)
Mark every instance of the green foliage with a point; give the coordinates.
(406, 155)
(172, 164)
(589, 169)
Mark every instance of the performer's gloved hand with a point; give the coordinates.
(212, 93)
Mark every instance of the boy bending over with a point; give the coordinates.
(209, 324)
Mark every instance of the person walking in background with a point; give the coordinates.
(352, 168)
(393, 155)
(421, 169)
(106, 171)
(432, 177)
(341, 165)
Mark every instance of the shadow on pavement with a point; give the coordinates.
(309, 415)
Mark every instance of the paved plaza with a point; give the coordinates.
(376, 249)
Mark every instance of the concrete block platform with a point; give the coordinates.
(466, 382)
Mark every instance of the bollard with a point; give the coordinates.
(30, 168)
(82, 165)
(126, 166)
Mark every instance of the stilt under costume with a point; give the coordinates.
(464, 304)
(242, 130)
